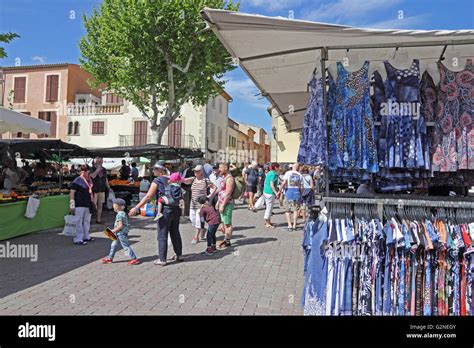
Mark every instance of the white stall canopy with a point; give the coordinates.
(14, 122)
(280, 55)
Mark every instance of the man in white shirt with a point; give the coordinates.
(292, 184)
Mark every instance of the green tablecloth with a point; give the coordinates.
(50, 214)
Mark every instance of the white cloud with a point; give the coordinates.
(39, 59)
(245, 91)
(273, 5)
(348, 11)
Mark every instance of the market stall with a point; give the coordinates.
(402, 132)
(50, 190)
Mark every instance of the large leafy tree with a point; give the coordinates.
(156, 54)
(6, 38)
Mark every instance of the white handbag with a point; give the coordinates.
(260, 203)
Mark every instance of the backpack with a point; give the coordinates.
(239, 185)
(172, 196)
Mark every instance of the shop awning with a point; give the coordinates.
(51, 149)
(161, 152)
(280, 54)
(14, 122)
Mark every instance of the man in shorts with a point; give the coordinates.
(292, 184)
(225, 203)
(251, 180)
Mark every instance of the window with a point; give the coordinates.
(26, 113)
(52, 88)
(213, 102)
(70, 128)
(19, 89)
(49, 116)
(229, 142)
(44, 115)
(98, 127)
(111, 98)
(213, 132)
(219, 138)
(76, 128)
(220, 106)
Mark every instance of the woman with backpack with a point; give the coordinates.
(169, 223)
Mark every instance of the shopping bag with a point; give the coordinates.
(70, 226)
(260, 203)
(110, 199)
(32, 207)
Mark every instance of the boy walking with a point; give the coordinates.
(211, 216)
(121, 231)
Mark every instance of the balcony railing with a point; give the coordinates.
(86, 109)
(184, 141)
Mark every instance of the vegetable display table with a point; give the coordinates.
(50, 214)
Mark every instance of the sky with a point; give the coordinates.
(50, 31)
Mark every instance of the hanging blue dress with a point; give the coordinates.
(313, 146)
(352, 135)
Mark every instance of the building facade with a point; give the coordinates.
(44, 91)
(117, 122)
(284, 145)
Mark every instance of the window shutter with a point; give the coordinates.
(53, 119)
(19, 90)
(54, 88)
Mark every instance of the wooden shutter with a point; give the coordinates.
(52, 87)
(19, 90)
(175, 133)
(53, 118)
(98, 127)
(140, 133)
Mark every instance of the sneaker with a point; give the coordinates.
(80, 243)
(160, 263)
(158, 216)
(106, 260)
(224, 244)
(214, 249)
(194, 241)
(134, 262)
(177, 258)
(89, 240)
(209, 252)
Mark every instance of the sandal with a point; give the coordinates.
(269, 226)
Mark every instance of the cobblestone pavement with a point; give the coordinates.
(261, 274)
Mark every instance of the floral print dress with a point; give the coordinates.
(352, 137)
(455, 146)
(313, 146)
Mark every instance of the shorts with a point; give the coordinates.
(291, 206)
(226, 216)
(251, 188)
(195, 217)
(99, 198)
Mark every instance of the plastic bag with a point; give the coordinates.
(260, 203)
(110, 199)
(70, 226)
(32, 207)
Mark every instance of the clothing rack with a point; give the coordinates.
(324, 57)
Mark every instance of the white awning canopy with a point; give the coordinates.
(279, 55)
(14, 122)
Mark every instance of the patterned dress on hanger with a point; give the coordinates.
(454, 120)
(352, 135)
(313, 146)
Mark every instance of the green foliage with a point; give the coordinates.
(6, 38)
(155, 53)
